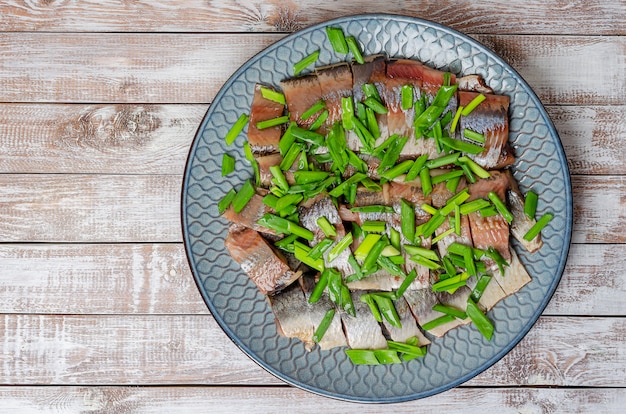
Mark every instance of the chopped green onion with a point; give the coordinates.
(474, 136)
(420, 106)
(427, 186)
(319, 121)
(316, 107)
(243, 196)
(453, 183)
(339, 247)
(272, 95)
(355, 49)
(530, 204)
(449, 310)
(538, 226)
(318, 290)
(473, 104)
(318, 250)
(366, 246)
(437, 134)
(370, 91)
(433, 224)
(446, 79)
(480, 287)
(366, 137)
(430, 264)
(281, 225)
(494, 255)
(445, 284)
(389, 265)
(324, 325)
(373, 209)
(468, 173)
(438, 322)
(444, 160)
(406, 97)
(442, 235)
(369, 263)
(337, 191)
(279, 178)
(326, 226)
(223, 204)
(421, 251)
(372, 122)
(456, 118)
(488, 211)
(470, 265)
(397, 170)
(405, 284)
(457, 199)
(287, 139)
(475, 168)
(387, 310)
(290, 157)
(392, 252)
(337, 39)
(347, 112)
(356, 162)
(371, 185)
(236, 129)
(369, 300)
(416, 168)
(462, 146)
(446, 176)
(479, 319)
(305, 135)
(499, 204)
(407, 219)
(375, 105)
(394, 237)
(228, 164)
(287, 200)
(307, 177)
(268, 123)
(457, 219)
(305, 62)
(362, 357)
(301, 252)
(393, 153)
(474, 205)
(374, 226)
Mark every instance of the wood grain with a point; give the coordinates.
(190, 400)
(183, 68)
(490, 16)
(145, 208)
(187, 349)
(155, 139)
(155, 279)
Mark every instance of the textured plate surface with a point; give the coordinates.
(243, 312)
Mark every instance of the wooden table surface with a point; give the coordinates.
(99, 103)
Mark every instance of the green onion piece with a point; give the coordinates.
(421, 251)
(268, 123)
(387, 310)
(473, 135)
(420, 106)
(374, 226)
(530, 204)
(446, 176)
(356, 162)
(449, 310)
(459, 249)
(538, 226)
(334, 285)
(388, 264)
(370, 91)
(434, 111)
(494, 255)
(273, 95)
(473, 104)
(397, 170)
(390, 251)
(444, 285)
(372, 123)
(442, 235)
(316, 107)
(324, 325)
(223, 204)
(408, 352)
(462, 146)
(301, 252)
(457, 219)
(445, 120)
(326, 226)
(318, 290)
(427, 186)
(407, 219)
(339, 247)
(457, 199)
(432, 265)
(366, 137)
(290, 157)
(236, 129)
(394, 237)
(448, 266)
(228, 164)
(305, 62)
(369, 300)
(355, 266)
(453, 183)
(438, 322)
(337, 39)
(446, 79)
(432, 225)
(362, 357)
(287, 200)
(416, 168)
(277, 191)
(307, 177)
(355, 49)
(470, 265)
(279, 178)
(474, 205)
(371, 185)
(319, 121)
(337, 191)
(405, 284)
(369, 263)
(243, 196)
(444, 160)
(346, 300)
(406, 97)
(318, 250)
(247, 151)
(488, 211)
(479, 319)
(286, 243)
(307, 136)
(287, 139)
(392, 154)
(480, 287)
(376, 105)
(360, 111)
(437, 134)
(373, 209)
(347, 112)
(282, 225)
(475, 168)
(456, 118)
(387, 356)
(384, 145)
(468, 173)
(501, 207)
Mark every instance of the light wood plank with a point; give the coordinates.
(489, 16)
(183, 68)
(155, 139)
(123, 349)
(140, 208)
(155, 279)
(189, 400)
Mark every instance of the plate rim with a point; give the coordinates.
(560, 152)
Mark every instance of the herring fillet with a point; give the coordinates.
(362, 331)
(263, 140)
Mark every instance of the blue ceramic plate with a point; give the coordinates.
(243, 312)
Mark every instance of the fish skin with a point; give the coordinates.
(292, 315)
(515, 275)
(362, 331)
(497, 182)
(266, 267)
(473, 83)
(271, 160)
(250, 215)
(491, 119)
(335, 83)
(301, 93)
(266, 140)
